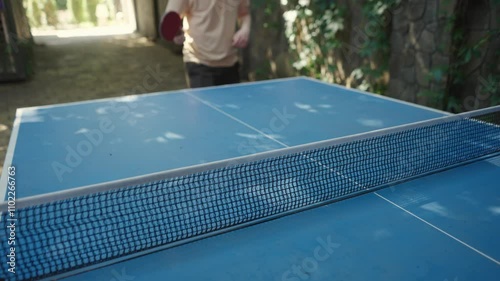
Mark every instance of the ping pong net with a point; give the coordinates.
(68, 232)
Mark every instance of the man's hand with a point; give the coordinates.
(179, 38)
(240, 38)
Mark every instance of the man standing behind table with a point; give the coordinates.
(211, 39)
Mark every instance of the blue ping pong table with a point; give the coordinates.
(443, 226)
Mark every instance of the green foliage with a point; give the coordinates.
(462, 55)
(78, 8)
(465, 54)
(433, 97)
(50, 10)
(490, 89)
(315, 28)
(62, 4)
(36, 15)
(322, 46)
(37, 9)
(376, 50)
(270, 8)
(91, 9)
(312, 32)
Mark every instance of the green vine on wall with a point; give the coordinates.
(322, 43)
(376, 50)
(462, 55)
(268, 15)
(312, 29)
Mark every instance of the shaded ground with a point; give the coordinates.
(85, 68)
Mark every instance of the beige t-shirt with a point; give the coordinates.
(211, 25)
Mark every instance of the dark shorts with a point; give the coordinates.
(200, 75)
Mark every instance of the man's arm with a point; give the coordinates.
(240, 39)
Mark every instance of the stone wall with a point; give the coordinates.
(426, 63)
(267, 56)
(354, 35)
(482, 74)
(419, 44)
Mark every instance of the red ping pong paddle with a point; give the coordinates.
(170, 25)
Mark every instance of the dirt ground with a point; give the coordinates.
(86, 68)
